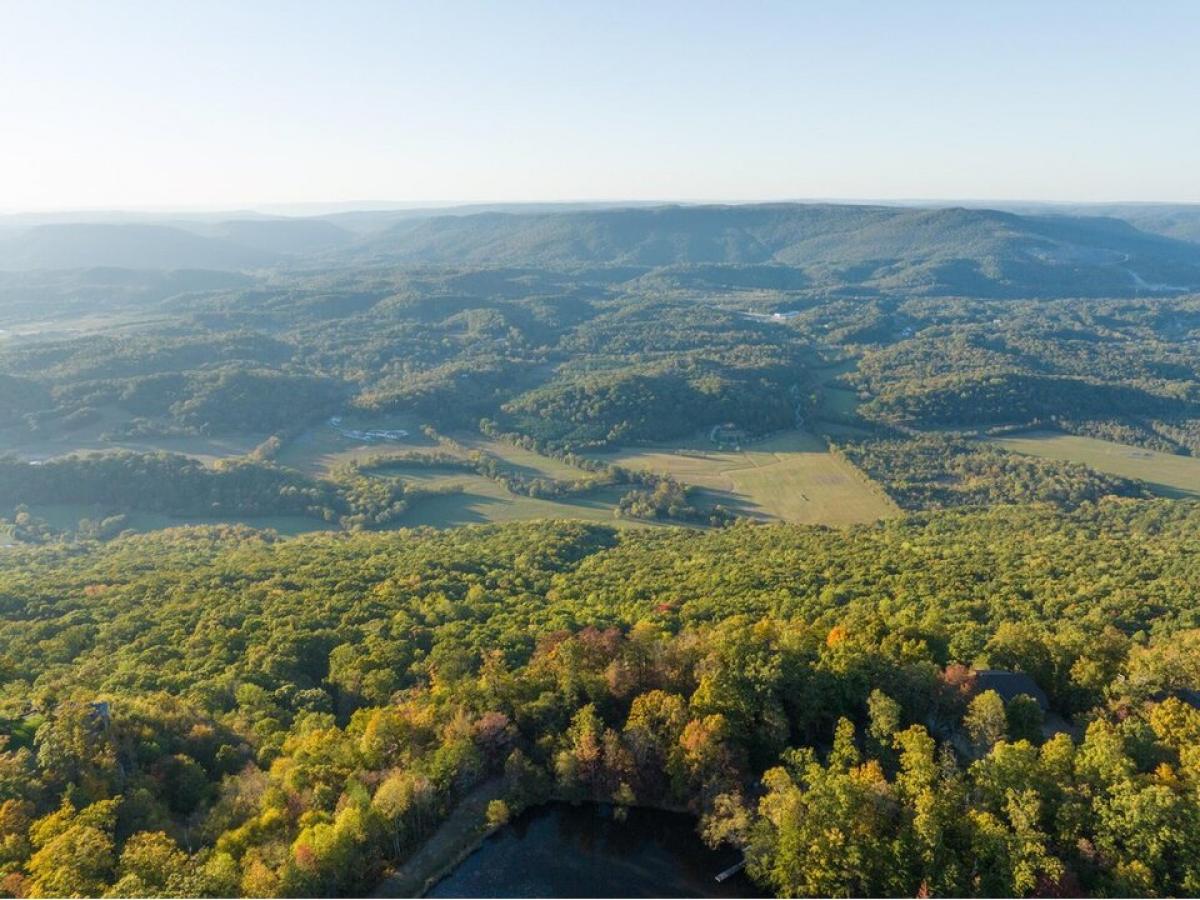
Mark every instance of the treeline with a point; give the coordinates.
(20, 397)
(456, 394)
(622, 405)
(1015, 398)
(123, 481)
(934, 471)
(671, 500)
(658, 497)
(495, 469)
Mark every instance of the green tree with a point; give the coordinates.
(1024, 717)
(986, 721)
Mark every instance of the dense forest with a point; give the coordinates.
(211, 712)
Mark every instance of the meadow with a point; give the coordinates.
(95, 436)
(481, 500)
(471, 498)
(790, 476)
(1164, 473)
(319, 450)
(66, 517)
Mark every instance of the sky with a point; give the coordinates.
(211, 104)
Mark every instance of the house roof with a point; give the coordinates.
(1009, 685)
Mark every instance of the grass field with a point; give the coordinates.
(839, 403)
(1164, 473)
(322, 448)
(479, 499)
(485, 501)
(66, 516)
(60, 442)
(791, 476)
(521, 461)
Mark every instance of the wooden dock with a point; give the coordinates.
(732, 870)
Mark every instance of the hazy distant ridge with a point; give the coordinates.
(874, 248)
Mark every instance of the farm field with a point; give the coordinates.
(67, 516)
(792, 477)
(520, 460)
(479, 499)
(1164, 473)
(482, 501)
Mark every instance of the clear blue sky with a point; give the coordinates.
(220, 104)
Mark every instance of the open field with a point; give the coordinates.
(322, 448)
(1164, 473)
(482, 500)
(839, 403)
(521, 461)
(66, 516)
(791, 476)
(56, 441)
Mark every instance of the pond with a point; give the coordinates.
(560, 850)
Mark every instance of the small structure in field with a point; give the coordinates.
(728, 436)
(370, 437)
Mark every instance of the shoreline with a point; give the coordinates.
(462, 833)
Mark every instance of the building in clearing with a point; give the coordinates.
(372, 436)
(1008, 685)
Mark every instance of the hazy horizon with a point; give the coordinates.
(314, 208)
(138, 106)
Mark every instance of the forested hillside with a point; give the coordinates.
(857, 248)
(219, 712)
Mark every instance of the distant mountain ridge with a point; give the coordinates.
(126, 246)
(834, 247)
(953, 250)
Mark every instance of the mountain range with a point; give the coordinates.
(830, 247)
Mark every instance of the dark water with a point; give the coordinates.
(582, 851)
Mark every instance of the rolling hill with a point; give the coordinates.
(126, 246)
(231, 245)
(932, 251)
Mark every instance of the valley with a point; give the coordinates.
(322, 565)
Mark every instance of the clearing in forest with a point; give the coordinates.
(320, 449)
(481, 500)
(95, 437)
(1164, 473)
(790, 476)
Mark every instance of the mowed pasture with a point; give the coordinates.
(1164, 473)
(470, 498)
(791, 477)
(66, 516)
(479, 500)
